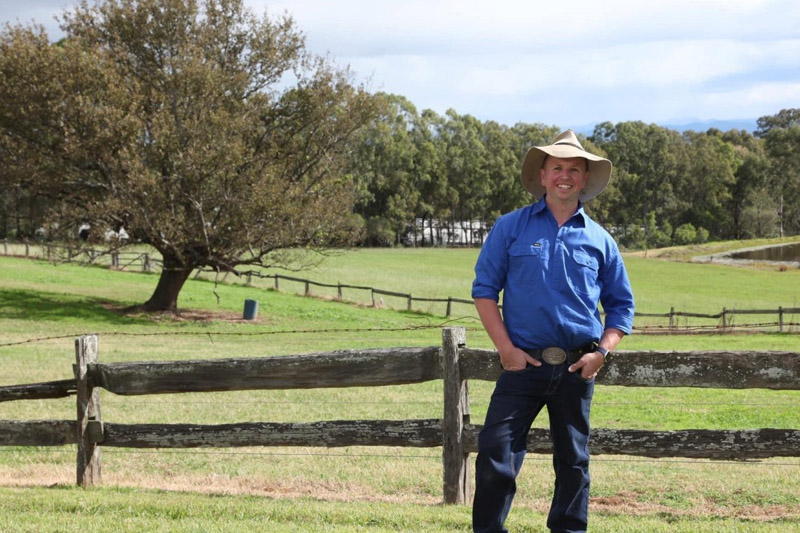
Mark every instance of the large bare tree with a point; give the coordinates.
(206, 131)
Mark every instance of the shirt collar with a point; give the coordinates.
(541, 206)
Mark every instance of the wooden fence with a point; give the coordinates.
(724, 321)
(452, 362)
(68, 254)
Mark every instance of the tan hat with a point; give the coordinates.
(564, 146)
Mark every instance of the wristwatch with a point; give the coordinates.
(602, 351)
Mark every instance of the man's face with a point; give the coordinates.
(564, 179)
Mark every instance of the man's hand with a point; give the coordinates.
(515, 359)
(589, 364)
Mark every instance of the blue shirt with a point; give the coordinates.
(553, 278)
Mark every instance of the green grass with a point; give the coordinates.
(359, 488)
(64, 509)
(657, 285)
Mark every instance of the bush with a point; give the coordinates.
(379, 232)
(685, 234)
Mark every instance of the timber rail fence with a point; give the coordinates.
(453, 362)
(724, 320)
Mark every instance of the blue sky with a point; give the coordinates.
(569, 64)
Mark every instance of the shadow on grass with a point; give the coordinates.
(27, 305)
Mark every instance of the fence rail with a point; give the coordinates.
(452, 362)
(146, 262)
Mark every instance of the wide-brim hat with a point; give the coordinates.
(564, 146)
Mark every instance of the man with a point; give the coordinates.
(554, 265)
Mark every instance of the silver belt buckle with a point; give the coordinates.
(554, 355)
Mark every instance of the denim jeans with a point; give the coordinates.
(517, 399)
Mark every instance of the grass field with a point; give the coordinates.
(364, 489)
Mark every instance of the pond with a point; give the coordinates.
(785, 252)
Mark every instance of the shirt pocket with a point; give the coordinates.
(582, 272)
(525, 263)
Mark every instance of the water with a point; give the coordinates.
(788, 252)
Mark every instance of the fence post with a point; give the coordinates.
(339, 290)
(409, 302)
(449, 306)
(780, 318)
(277, 286)
(308, 289)
(671, 318)
(724, 319)
(146, 263)
(455, 461)
(88, 411)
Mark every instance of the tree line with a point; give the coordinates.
(419, 177)
(415, 168)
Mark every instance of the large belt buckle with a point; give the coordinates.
(554, 355)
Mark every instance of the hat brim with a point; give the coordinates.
(599, 169)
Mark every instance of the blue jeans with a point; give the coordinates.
(517, 399)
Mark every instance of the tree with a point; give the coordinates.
(209, 133)
(436, 194)
(785, 118)
(782, 146)
(711, 176)
(760, 217)
(649, 164)
(383, 165)
(466, 160)
(750, 174)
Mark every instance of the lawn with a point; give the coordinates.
(359, 488)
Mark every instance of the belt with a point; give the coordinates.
(555, 355)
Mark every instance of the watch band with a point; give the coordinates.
(602, 351)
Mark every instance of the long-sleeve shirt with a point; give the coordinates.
(553, 278)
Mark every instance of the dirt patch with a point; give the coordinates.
(181, 315)
(624, 503)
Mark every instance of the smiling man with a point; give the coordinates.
(554, 265)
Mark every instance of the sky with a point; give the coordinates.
(566, 63)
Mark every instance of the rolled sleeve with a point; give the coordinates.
(617, 295)
(492, 264)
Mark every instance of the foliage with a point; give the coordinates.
(782, 146)
(785, 118)
(206, 132)
(112, 101)
(685, 234)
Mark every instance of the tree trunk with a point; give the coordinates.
(173, 276)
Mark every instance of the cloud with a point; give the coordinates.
(556, 62)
